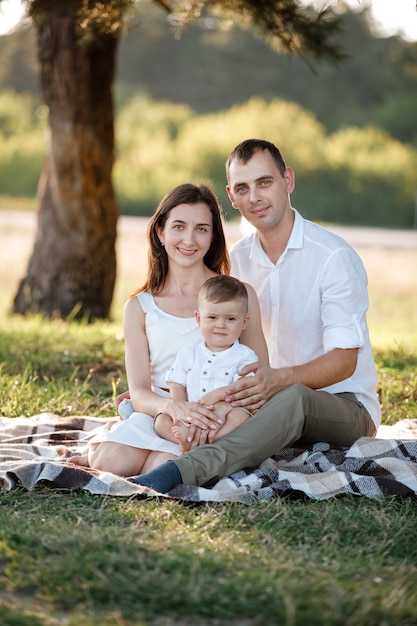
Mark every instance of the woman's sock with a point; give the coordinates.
(162, 478)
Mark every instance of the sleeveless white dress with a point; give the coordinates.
(166, 334)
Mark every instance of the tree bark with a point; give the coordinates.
(72, 268)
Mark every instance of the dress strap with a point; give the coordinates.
(146, 301)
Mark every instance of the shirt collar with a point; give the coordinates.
(296, 240)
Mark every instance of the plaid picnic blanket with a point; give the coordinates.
(35, 449)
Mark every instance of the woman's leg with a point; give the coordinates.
(122, 460)
(156, 458)
(117, 458)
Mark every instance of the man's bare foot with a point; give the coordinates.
(79, 460)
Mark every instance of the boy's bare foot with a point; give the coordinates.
(180, 432)
(79, 460)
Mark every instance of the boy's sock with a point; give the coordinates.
(162, 478)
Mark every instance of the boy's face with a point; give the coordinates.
(221, 323)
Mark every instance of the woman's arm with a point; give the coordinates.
(137, 361)
(138, 373)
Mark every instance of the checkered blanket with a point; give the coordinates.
(35, 450)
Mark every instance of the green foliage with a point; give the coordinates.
(366, 178)
(201, 105)
(354, 176)
(213, 64)
(22, 144)
(145, 169)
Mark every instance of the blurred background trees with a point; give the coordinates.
(182, 104)
(72, 268)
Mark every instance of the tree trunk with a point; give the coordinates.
(72, 269)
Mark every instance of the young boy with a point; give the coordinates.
(204, 369)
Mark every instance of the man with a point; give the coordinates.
(312, 290)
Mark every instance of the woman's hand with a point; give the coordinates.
(197, 436)
(194, 414)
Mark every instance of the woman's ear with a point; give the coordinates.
(160, 233)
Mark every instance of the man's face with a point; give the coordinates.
(260, 192)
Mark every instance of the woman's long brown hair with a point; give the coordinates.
(217, 257)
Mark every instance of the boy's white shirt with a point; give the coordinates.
(201, 370)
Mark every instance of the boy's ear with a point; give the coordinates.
(197, 316)
(245, 322)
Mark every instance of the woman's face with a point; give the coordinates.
(188, 233)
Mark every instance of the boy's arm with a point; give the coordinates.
(218, 395)
(177, 391)
(212, 397)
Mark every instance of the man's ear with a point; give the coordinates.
(229, 193)
(289, 177)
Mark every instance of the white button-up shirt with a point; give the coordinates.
(201, 370)
(313, 300)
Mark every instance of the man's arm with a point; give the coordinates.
(252, 392)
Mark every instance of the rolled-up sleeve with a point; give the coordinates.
(344, 301)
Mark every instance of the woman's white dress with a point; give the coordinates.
(166, 334)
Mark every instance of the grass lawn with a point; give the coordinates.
(70, 558)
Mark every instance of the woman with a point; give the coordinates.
(186, 247)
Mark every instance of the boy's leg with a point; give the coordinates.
(163, 427)
(232, 419)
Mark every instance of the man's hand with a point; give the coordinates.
(252, 392)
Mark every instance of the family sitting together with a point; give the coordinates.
(231, 359)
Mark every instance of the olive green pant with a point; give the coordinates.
(296, 413)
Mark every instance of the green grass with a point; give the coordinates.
(64, 368)
(71, 558)
(115, 561)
